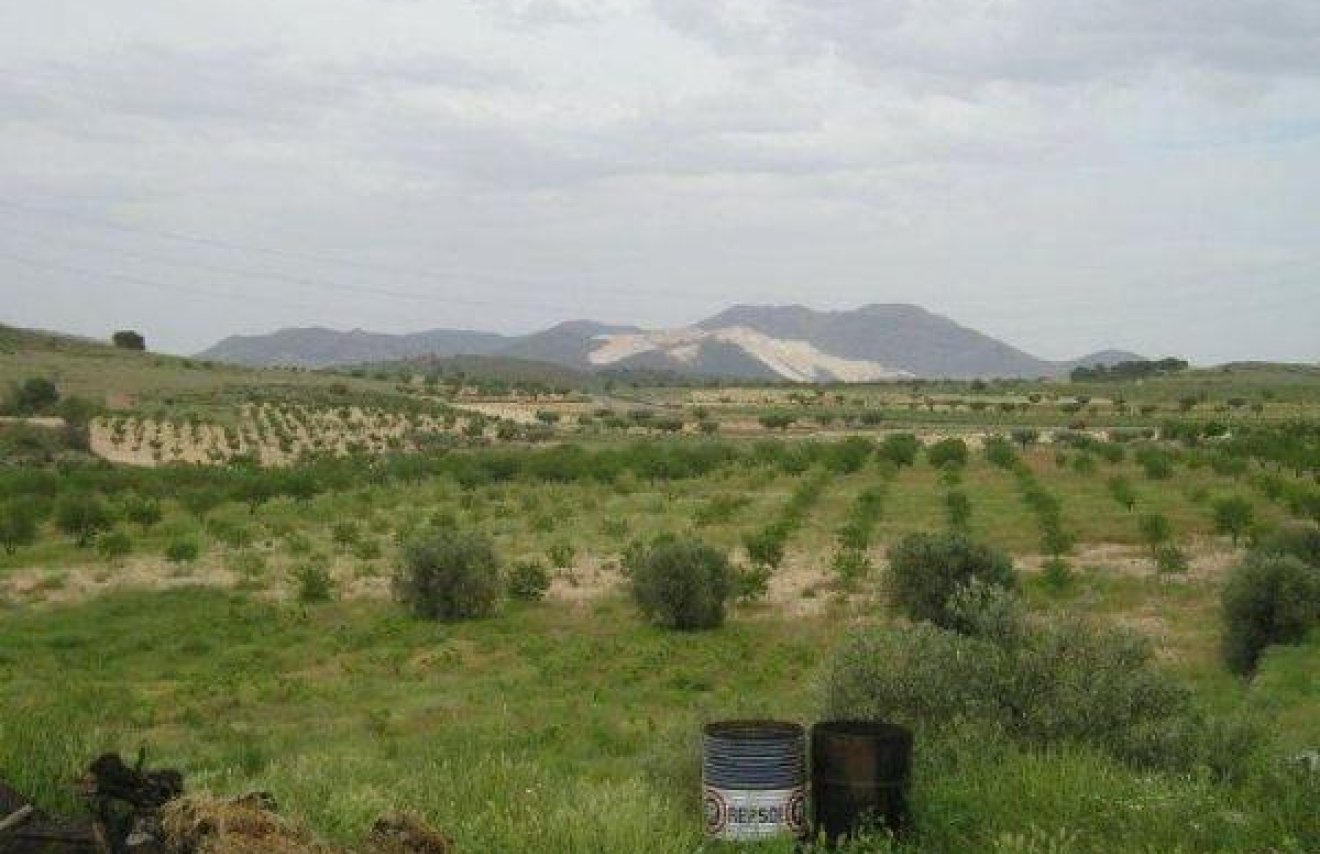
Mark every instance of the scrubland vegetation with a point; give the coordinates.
(1105, 635)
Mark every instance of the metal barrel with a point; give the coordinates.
(753, 776)
(859, 776)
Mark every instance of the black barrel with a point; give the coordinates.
(859, 776)
(753, 776)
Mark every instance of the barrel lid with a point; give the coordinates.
(860, 729)
(753, 729)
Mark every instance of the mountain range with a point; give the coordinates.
(748, 342)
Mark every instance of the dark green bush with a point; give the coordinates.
(1000, 452)
(114, 545)
(958, 507)
(682, 584)
(1043, 683)
(527, 581)
(449, 575)
(1269, 598)
(947, 453)
(901, 449)
(312, 582)
(18, 526)
(182, 550)
(765, 547)
(927, 570)
(82, 517)
(1233, 515)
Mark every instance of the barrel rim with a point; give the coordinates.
(751, 729)
(861, 729)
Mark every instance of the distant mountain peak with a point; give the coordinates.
(744, 341)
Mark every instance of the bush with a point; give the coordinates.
(1043, 683)
(448, 575)
(1170, 560)
(751, 583)
(1233, 516)
(141, 511)
(312, 582)
(999, 452)
(18, 526)
(959, 509)
(561, 554)
(1120, 488)
(345, 533)
(682, 584)
(34, 396)
(901, 449)
(182, 550)
(114, 545)
(850, 565)
(926, 570)
(1056, 574)
(1155, 530)
(82, 516)
(765, 547)
(947, 453)
(1269, 598)
(527, 581)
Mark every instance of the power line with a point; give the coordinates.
(446, 278)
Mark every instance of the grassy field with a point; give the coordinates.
(571, 724)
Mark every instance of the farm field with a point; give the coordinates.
(231, 608)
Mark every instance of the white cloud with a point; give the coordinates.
(1029, 166)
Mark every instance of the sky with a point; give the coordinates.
(1067, 175)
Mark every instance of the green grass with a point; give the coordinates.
(495, 730)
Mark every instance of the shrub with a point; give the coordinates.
(114, 545)
(1043, 683)
(1155, 462)
(1120, 488)
(682, 584)
(1026, 436)
(959, 509)
(1056, 574)
(851, 565)
(345, 533)
(1233, 516)
(561, 554)
(999, 452)
(18, 526)
(128, 339)
(367, 548)
(751, 583)
(1300, 541)
(448, 575)
(1155, 530)
(926, 570)
(948, 453)
(1269, 598)
(1170, 560)
(901, 449)
(182, 550)
(527, 581)
(34, 396)
(82, 516)
(765, 547)
(312, 582)
(141, 511)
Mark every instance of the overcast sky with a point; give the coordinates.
(1064, 174)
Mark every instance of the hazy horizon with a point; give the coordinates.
(1065, 177)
